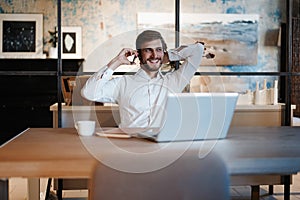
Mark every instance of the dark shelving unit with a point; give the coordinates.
(28, 88)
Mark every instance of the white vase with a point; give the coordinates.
(52, 53)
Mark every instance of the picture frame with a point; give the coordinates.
(71, 42)
(21, 35)
(232, 38)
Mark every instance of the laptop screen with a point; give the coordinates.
(197, 116)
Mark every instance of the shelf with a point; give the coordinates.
(21, 66)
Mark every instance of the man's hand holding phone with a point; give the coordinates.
(123, 58)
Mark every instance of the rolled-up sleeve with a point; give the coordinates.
(192, 56)
(191, 53)
(101, 86)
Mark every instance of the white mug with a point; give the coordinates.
(85, 128)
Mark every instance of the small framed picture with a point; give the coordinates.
(71, 42)
(21, 36)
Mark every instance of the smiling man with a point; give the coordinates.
(142, 96)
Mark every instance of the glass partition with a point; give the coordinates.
(244, 36)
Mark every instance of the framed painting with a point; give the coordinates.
(232, 38)
(21, 36)
(71, 42)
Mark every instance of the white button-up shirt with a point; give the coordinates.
(141, 99)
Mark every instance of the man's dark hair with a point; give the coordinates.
(147, 36)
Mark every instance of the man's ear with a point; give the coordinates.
(166, 57)
(139, 55)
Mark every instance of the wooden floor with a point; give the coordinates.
(243, 192)
(18, 191)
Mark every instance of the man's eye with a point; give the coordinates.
(159, 49)
(147, 50)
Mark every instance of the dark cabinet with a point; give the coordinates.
(28, 88)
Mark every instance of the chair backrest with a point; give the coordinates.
(189, 178)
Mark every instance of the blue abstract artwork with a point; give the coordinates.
(232, 38)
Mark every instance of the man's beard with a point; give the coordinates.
(149, 68)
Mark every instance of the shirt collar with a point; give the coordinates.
(141, 73)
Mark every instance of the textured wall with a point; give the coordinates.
(102, 20)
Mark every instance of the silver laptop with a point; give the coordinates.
(194, 116)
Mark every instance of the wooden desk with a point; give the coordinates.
(260, 115)
(43, 153)
(107, 116)
(46, 152)
(61, 153)
(244, 115)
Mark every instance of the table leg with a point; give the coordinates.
(59, 189)
(286, 181)
(48, 188)
(4, 189)
(271, 189)
(254, 192)
(33, 188)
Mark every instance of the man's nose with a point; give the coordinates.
(154, 53)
